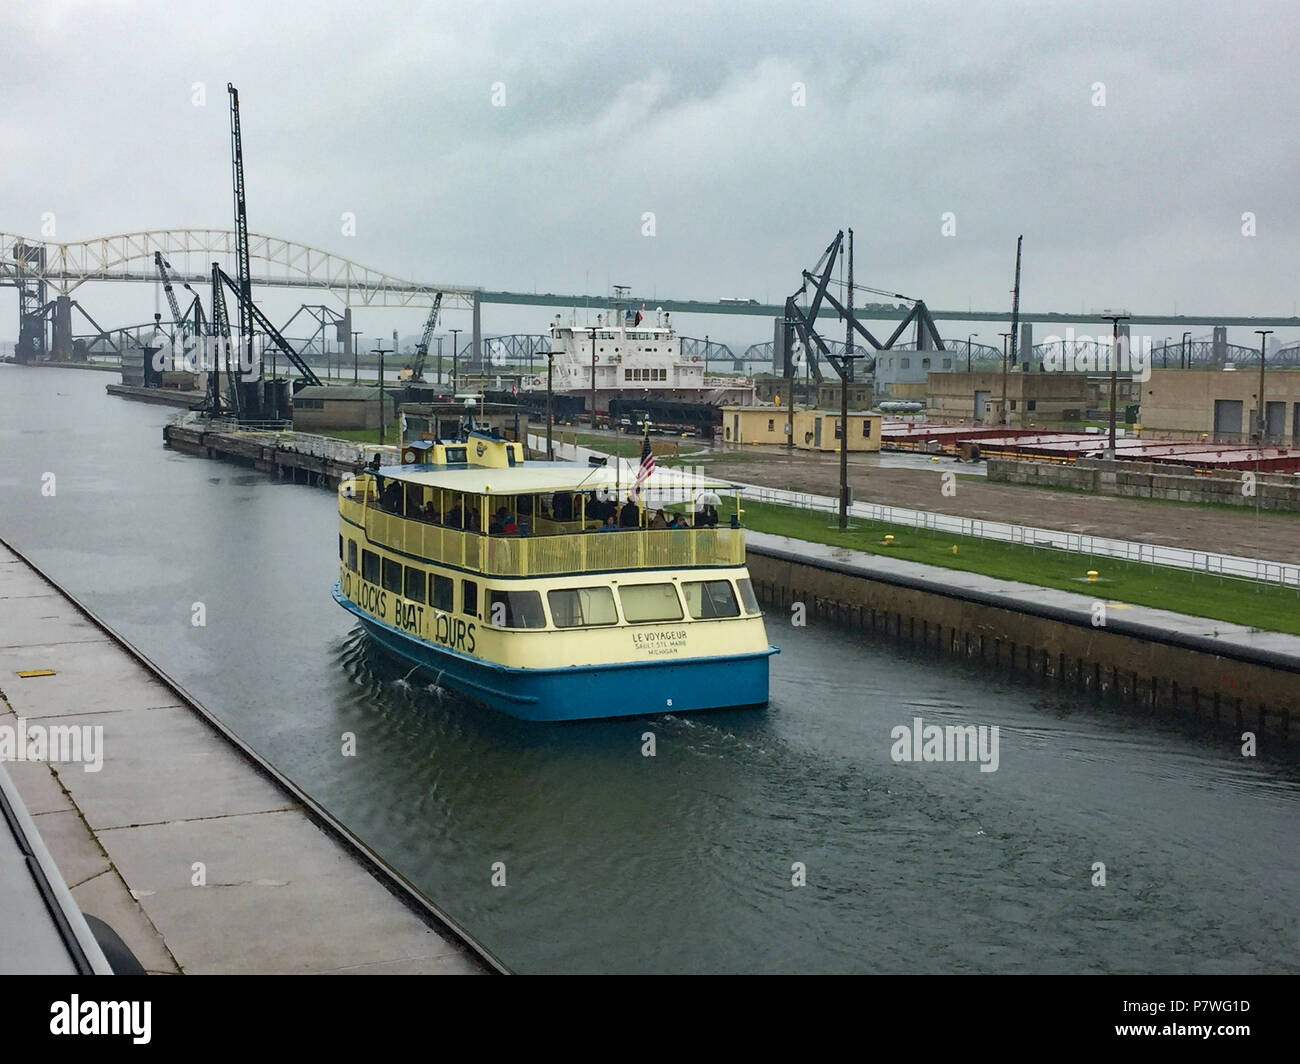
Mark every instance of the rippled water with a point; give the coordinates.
(682, 861)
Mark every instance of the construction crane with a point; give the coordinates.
(242, 286)
(422, 348)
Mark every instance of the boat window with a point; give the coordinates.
(340, 546)
(444, 592)
(370, 567)
(747, 597)
(516, 609)
(469, 597)
(392, 576)
(650, 602)
(577, 607)
(707, 599)
(415, 584)
(352, 555)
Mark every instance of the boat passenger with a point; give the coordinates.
(706, 516)
(511, 526)
(610, 524)
(677, 522)
(562, 506)
(659, 521)
(455, 518)
(631, 514)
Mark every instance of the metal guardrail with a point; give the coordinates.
(1219, 565)
(329, 447)
(580, 552)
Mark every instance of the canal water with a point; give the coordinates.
(684, 861)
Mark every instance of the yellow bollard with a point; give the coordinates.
(954, 548)
(889, 539)
(1092, 575)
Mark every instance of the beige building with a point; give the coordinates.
(1031, 398)
(814, 430)
(1223, 403)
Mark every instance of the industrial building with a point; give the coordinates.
(1223, 404)
(1031, 398)
(814, 430)
(318, 407)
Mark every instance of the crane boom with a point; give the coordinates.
(422, 348)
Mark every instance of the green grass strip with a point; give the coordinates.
(1248, 602)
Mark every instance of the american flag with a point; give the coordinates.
(647, 460)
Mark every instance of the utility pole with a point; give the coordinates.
(1186, 352)
(845, 378)
(1015, 328)
(1263, 420)
(968, 340)
(356, 370)
(454, 334)
(383, 414)
(593, 380)
(1114, 319)
(550, 418)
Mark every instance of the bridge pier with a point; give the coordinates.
(61, 342)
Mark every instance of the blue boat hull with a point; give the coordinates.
(631, 689)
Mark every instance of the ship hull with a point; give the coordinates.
(624, 689)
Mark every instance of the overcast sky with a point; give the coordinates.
(689, 111)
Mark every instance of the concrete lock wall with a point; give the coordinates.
(1145, 674)
(1150, 480)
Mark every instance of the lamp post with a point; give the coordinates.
(1186, 351)
(1164, 357)
(454, 334)
(356, 378)
(550, 419)
(383, 415)
(593, 380)
(1005, 336)
(1263, 420)
(1114, 319)
(968, 340)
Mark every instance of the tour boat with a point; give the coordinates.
(498, 575)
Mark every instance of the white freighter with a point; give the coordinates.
(633, 354)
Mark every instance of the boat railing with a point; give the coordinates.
(547, 555)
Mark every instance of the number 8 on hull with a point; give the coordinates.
(552, 590)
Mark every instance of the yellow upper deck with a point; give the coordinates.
(512, 519)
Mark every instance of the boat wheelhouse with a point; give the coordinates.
(510, 581)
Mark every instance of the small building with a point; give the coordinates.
(814, 430)
(1223, 403)
(1031, 398)
(341, 406)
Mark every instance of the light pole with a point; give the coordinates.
(1114, 319)
(550, 419)
(356, 379)
(383, 416)
(593, 380)
(1263, 421)
(1185, 351)
(454, 334)
(1164, 357)
(968, 340)
(1005, 336)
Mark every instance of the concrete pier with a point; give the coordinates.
(203, 859)
(1154, 659)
